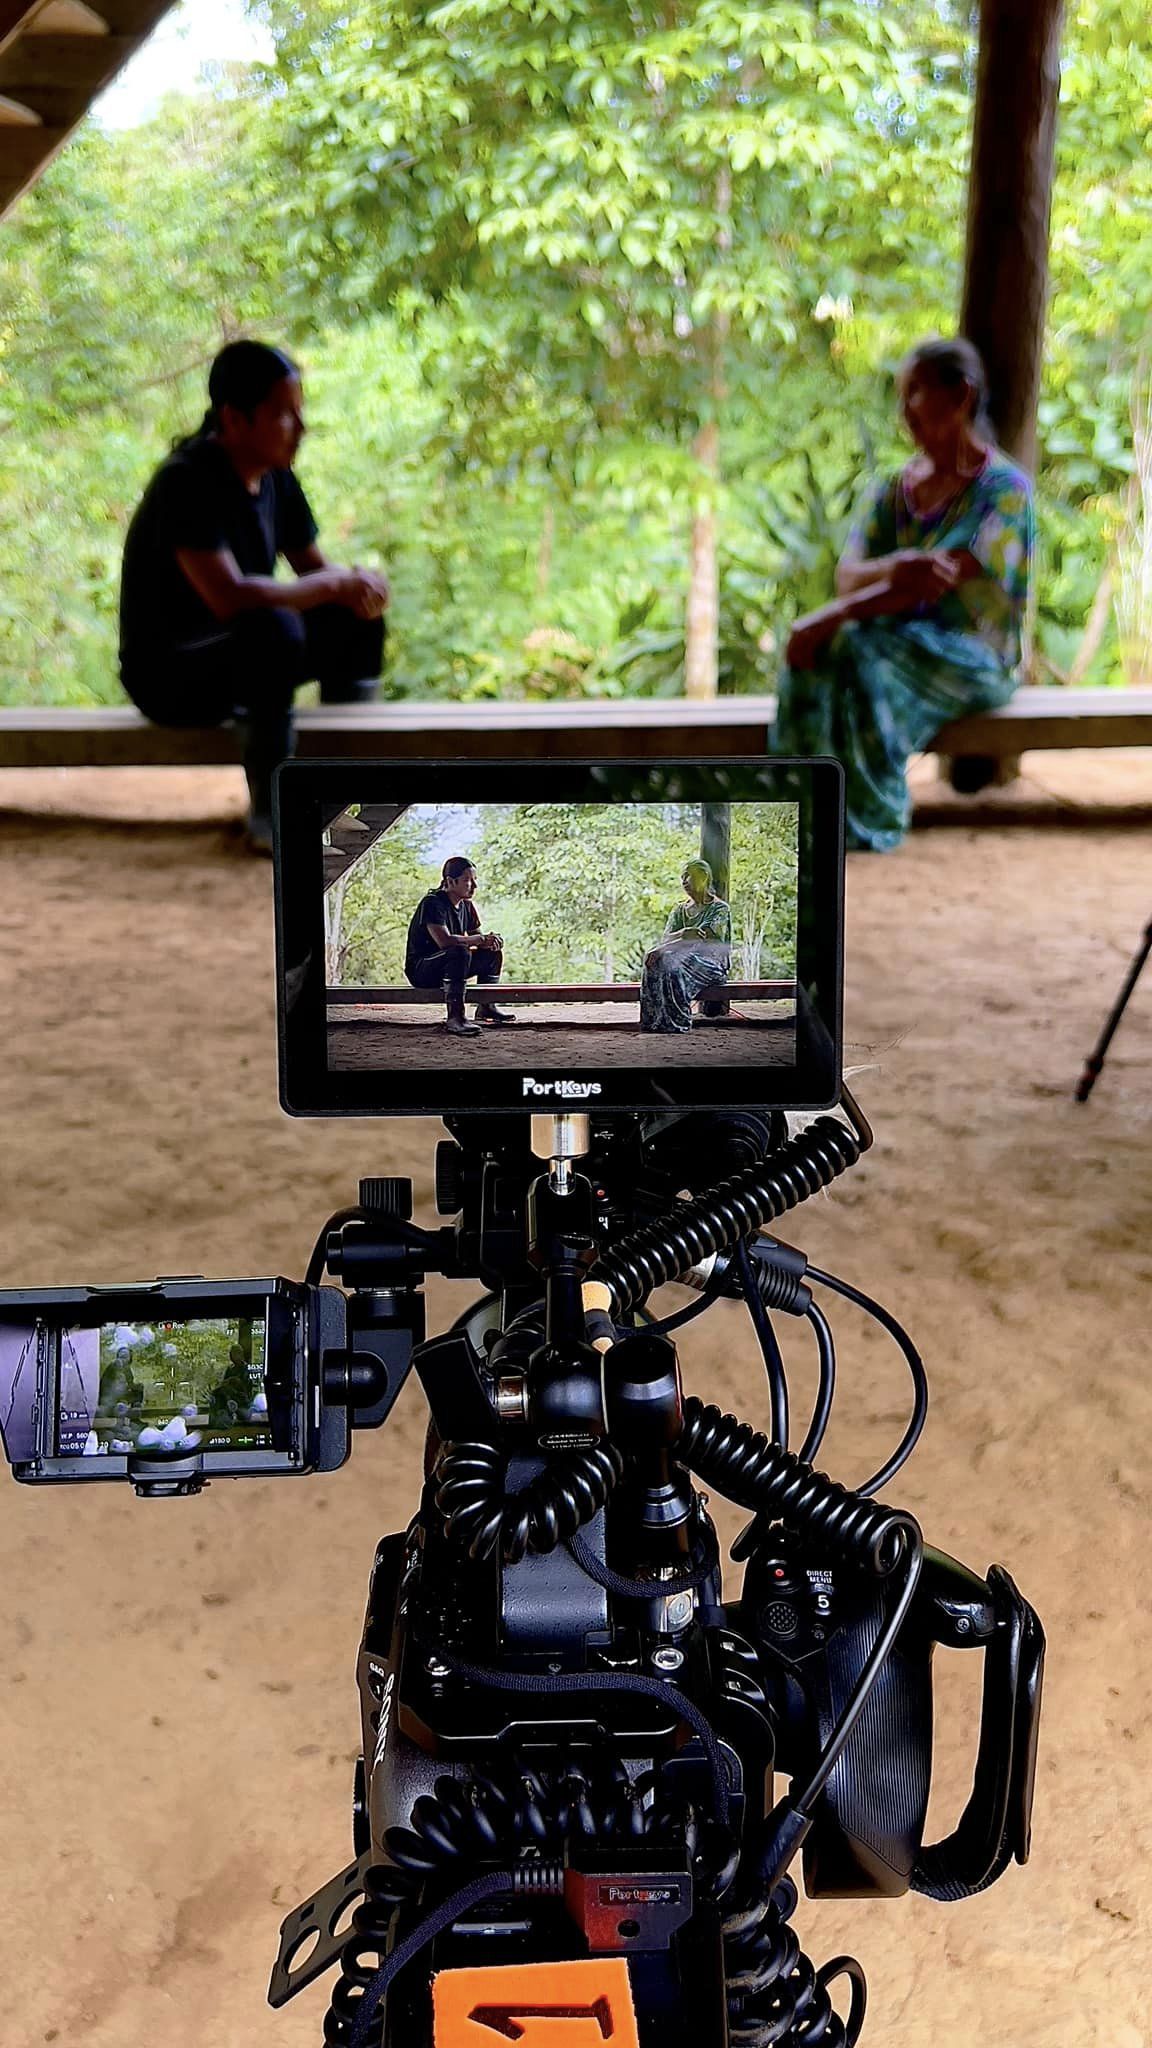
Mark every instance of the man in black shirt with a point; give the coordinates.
(207, 632)
(446, 948)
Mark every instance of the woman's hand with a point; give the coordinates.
(812, 633)
(924, 575)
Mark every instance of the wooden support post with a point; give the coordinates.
(716, 844)
(1005, 299)
(716, 849)
(1009, 208)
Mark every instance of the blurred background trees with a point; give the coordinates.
(598, 307)
(578, 892)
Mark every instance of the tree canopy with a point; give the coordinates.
(598, 307)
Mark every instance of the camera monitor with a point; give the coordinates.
(94, 1380)
(617, 935)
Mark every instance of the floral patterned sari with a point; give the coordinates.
(674, 975)
(883, 687)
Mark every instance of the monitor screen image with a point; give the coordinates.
(505, 935)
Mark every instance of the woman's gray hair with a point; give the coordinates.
(950, 362)
(698, 866)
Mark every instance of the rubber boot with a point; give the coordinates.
(456, 1023)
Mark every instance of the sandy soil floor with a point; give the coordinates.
(414, 1039)
(177, 1712)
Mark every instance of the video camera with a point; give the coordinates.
(565, 1815)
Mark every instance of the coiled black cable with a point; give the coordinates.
(544, 1808)
(478, 1513)
(758, 1474)
(693, 1231)
(531, 1684)
(775, 1994)
(385, 1892)
(742, 1463)
(366, 2024)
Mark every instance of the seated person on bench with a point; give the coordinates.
(932, 588)
(446, 949)
(207, 633)
(693, 954)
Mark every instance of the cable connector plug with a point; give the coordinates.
(780, 1269)
(538, 1880)
(783, 1835)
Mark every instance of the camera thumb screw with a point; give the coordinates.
(388, 1195)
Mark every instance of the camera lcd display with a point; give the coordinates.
(18, 1389)
(618, 935)
(163, 1388)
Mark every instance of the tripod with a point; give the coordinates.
(1095, 1059)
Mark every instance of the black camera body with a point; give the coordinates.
(547, 1644)
(585, 1774)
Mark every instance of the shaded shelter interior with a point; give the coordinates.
(177, 1698)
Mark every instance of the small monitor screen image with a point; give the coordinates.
(163, 1389)
(627, 934)
(568, 936)
(19, 1353)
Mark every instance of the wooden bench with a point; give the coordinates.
(118, 737)
(558, 992)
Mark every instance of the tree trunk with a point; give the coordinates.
(716, 849)
(702, 622)
(544, 551)
(716, 844)
(702, 618)
(1009, 208)
(1095, 628)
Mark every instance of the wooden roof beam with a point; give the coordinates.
(15, 15)
(50, 74)
(56, 57)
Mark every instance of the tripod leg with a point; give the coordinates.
(1095, 1058)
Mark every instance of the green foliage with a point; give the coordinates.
(763, 890)
(367, 911)
(174, 1366)
(590, 886)
(525, 251)
(577, 892)
(121, 275)
(651, 198)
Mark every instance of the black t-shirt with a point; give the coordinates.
(436, 908)
(197, 501)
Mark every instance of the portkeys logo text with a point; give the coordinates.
(567, 1091)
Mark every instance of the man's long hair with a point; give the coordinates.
(243, 375)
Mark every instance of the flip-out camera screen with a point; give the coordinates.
(498, 936)
(163, 1388)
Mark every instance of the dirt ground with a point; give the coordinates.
(582, 1041)
(177, 1708)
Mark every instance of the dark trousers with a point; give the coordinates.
(251, 670)
(453, 968)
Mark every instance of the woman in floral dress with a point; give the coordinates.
(692, 956)
(931, 594)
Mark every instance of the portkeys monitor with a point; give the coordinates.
(624, 935)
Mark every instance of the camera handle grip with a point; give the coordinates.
(996, 1824)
